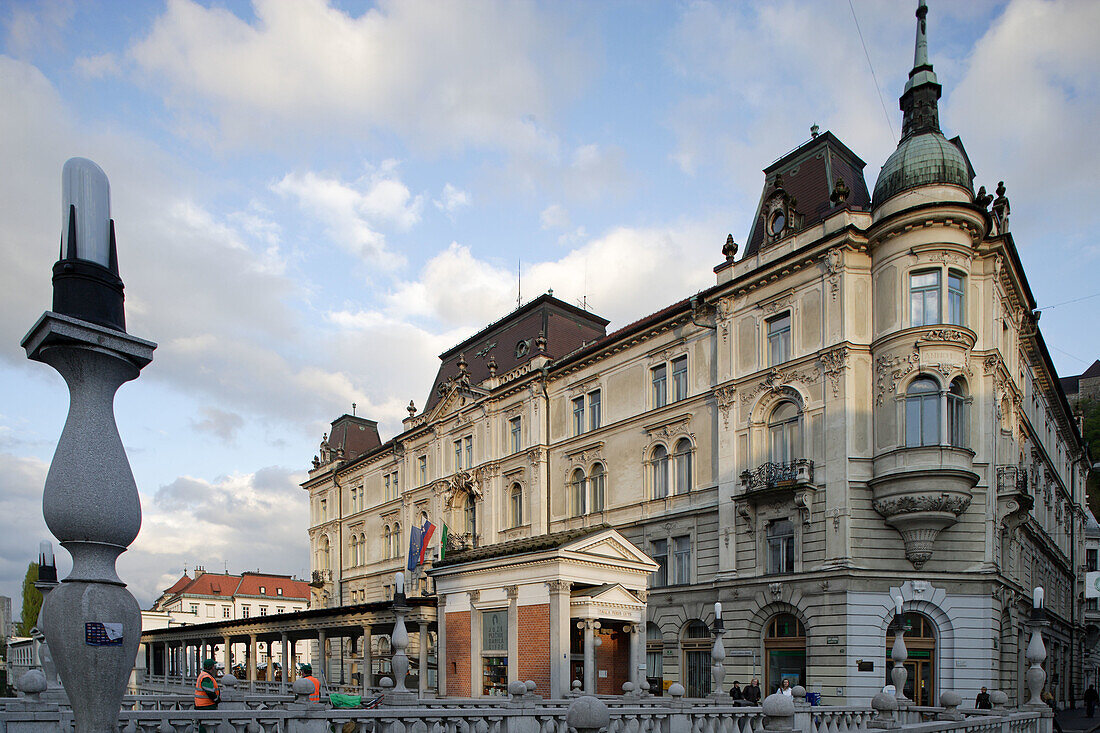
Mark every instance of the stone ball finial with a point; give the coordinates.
(517, 688)
(950, 699)
(385, 683)
(628, 687)
(228, 680)
(998, 699)
(778, 705)
(576, 684)
(302, 689)
(588, 713)
(32, 683)
(798, 691)
(530, 685)
(884, 705)
(676, 690)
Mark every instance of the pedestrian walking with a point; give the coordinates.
(982, 701)
(1091, 699)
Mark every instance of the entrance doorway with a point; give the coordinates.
(785, 652)
(920, 643)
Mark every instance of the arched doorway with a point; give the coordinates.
(920, 643)
(696, 644)
(785, 652)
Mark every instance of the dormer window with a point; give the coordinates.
(777, 223)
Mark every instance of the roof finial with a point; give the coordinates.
(920, 53)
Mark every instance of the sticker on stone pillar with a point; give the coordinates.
(97, 633)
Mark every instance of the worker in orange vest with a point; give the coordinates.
(207, 693)
(307, 673)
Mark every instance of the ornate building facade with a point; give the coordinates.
(862, 407)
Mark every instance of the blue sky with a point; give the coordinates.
(314, 200)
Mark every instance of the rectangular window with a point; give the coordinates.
(594, 410)
(324, 508)
(396, 490)
(210, 610)
(246, 611)
(195, 608)
(956, 298)
(469, 445)
(679, 378)
(263, 610)
(225, 611)
(781, 546)
(681, 559)
(779, 339)
(278, 591)
(924, 298)
(280, 609)
(578, 415)
(458, 454)
(422, 468)
(660, 385)
(517, 506)
(516, 428)
(1090, 561)
(386, 488)
(659, 553)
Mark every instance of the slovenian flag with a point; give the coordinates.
(414, 547)
(425, 537)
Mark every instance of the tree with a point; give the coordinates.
(32, 602)
(1089, 409)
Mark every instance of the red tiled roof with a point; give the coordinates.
(213, 584)
(184, 580)
(251, 583)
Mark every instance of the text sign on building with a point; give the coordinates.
(1092, 584)
(494, 630)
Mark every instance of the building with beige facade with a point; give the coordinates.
(861, 407)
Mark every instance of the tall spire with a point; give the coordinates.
(918, 101)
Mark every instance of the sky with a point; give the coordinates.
(313, 200)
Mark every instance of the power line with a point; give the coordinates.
(1067, 302)
(872, 68)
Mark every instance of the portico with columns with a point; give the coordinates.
(551, 609)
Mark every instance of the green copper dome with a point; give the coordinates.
(920, 160)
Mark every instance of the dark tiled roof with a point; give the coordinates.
(519, 547)
(355, 435)
(566, 328)
(1093, 371)
(809, 174)
(1069, 384)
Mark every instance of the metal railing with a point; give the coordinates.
(773, 475)
(1010, 479)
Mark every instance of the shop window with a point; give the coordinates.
(920, 643)
(494, 653)
(785, 652)
(654, 657)
(696, 644)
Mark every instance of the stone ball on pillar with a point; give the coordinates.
(302, 689)
(628, 687)
(32, 683)
(228, 680)
(517, 688)
(778, 712)
(530, 685)
(588, 713)
(385, 683)
(950, 699)
(676, 690)
(998, 699)
(884, 705)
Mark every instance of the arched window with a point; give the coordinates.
(785, 433)
(323, 554)
(659, 467)
(577, 499)
(920, 642)
(596, 488)
(956, 414)
(696, 644)
(470, 516)
(354, 551)
(515, 502)
(785, 651)
(395, 540)
(922, 413)
(386, 541)
(681, 458)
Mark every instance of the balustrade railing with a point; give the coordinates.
(772, 475)
(1011, 479)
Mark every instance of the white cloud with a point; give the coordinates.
(554, 216)
(353, 213)
(220, 423)
(97, 67)
(33, 29)
(443, 75)
(452, 199)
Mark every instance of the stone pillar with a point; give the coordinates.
(285, 662)
(512, 592)
(228, 651)
(422, 640)
(1036, 654)
(899, 654)
(559, 638)
(441, 645)
(368, 657)
(589, 680)
(164, 660)
(636, 641)
(251, 661)
(475, 645)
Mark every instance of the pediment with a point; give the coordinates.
(609, 545)
(613, 593)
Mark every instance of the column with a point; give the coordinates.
(285, 663)
(322, 657)
(422, 641)
(589, 656)
(559, 638)
(441, 645)
(228, 651)
(251, 661)
(476, 662)
(636, 641)
(368, 658)
(513, 632)
(164, 659)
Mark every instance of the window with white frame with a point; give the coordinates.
(195, 608)
(681, 559)
(578, 489)
(956, 415)
(659, 380)
(679, 378)
(210, 610)
(468, 449)
(458, 454)
(780, 539)
(422, 469)
(681, 459)
(779, 339)
(922, 413)
(956, 298)
(659, 552)
(578, 415)
(225, 612)
(246, 611)
(263, 610)
(515, 503)
(515, 431)
(596, 488)
(386, 541)
(594, 408)
(395, 540)
(785, 433)
(924, 298)
(658, 466)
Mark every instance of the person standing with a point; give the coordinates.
(785, 689)
(207, 693)
(752, 692)
(735, 691)
(1091, 699)
(982, 701)
(307, 674)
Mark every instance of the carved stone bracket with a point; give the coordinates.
(832, 364)
(889, 370)
(919, 518)
(725, 397)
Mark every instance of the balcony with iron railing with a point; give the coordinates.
(768, 477)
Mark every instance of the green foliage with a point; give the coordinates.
(1090, 410)
(32, 602)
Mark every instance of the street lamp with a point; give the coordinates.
(90, 501)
